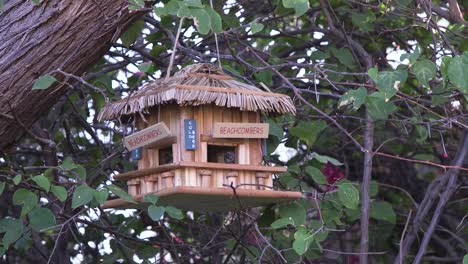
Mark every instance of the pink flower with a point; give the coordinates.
(353, 259)
(139, 73)
(333, 173)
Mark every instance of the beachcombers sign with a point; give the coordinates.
(240, 130)
(147, 136)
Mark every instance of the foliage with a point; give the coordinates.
(339, 60)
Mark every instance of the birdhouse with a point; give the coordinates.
(199, 141)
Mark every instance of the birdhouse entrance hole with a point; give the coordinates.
(222, 154)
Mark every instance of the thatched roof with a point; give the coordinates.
(196, 85)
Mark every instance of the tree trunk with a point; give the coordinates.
(69, 35)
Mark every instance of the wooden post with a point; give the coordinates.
(167, 179)
(151, 183)
(133, 186)
(231, 177)
(260, 180)
(205, 176)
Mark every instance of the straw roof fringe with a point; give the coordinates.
(199, 84)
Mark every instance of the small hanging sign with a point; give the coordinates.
(136, 154)
(147, 136)
(240, 130)
(190, 129)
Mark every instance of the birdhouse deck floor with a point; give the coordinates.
(211, 199)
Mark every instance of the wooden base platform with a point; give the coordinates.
(211, 199)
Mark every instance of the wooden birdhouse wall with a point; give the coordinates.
(194, 167)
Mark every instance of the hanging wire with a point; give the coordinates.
(216, 41)
(171, 62)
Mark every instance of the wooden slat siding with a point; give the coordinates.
(219, 178)
(217, 117)
(220, 141)
(174, 127)
(227, 115)
(237, 118)
(255, 143)
(208, 111)
(185, 113)
(198, 116)
(178, 179)
(269, 181)
(246, 153)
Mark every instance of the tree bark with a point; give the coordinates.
(69, 35)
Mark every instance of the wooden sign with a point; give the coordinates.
(240, 130)
(147, 136)
(190, 129)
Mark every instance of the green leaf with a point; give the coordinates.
(156, 212)
(302, 241)
(202, 20)
(150, 198)
(41, 219)
(13, 229)
(457, 72)
(184, 11)
(424, 70)
(193, 3)
(68, 164)
(101, 195)
(83, 195)
(348, 195)
(308, 131)
(275, 130)
(300, 6)
(144, 67)
(174, 213)
(2, 187)
(42, 182)
(216, 22)
(446, 60)
(121, 193)
(325, 159)
(345, 57)
(316, 175)
(265, 77)
(44, 82)
(282, 222)
(25, 198)
(388, 82)
(382, 211)
(364, 21)
(133, 32)
(136, 4)
(465, 259)
(378, 108)
(17, 179)
(256, 27)
(356, 97)
(59, 192)
(319, 55)
(412, 57)
(374, 188)
(80, 170)
(294, 211)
